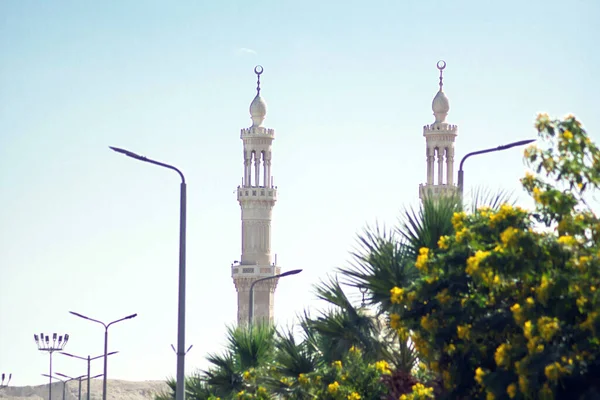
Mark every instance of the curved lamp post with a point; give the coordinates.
(106, 326)
(79, 379)
(89, 360)
(251, 300)
(58, 344)
(2, 384)
(499, 148)
(180, 385)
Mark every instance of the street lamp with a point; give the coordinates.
(180, 385)
(499, 148)
(64, 382)
(251, 300)
(88, 368)
(106, 326)
(2, 384)
(58, 344)
(79, 379)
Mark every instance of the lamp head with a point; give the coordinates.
(292, 272)
(127, 153)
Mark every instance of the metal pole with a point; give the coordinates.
(50, 386)
(105, 361)
(79, 397)
(88, 382)
(499, 148)
(180, 385)
(251, 298)
(64, 389)
(180, 388)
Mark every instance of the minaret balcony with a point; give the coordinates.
(257, 193)
(257, 132)
(437, 190)
(254, 271)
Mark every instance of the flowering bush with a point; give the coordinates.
(504, 309)
(348, 379)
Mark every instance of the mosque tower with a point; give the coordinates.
(256, 196)
(439, 140)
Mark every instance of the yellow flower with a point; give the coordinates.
(246, 375)
(511, 390)
(530, 301)
(397, 295)
(354, 396)
(501, 356)
(383, 367)
(548, 327)
(528, 329)
(517, 312)
(443, 297)
(458, 219)
(553, 371)
(509, 235)
(479, 375)
(419, 391)
(443, 243)
(567, 240)
(523, 383)
(429, 324)
(261, 390)
(461, 234)
(464, 331)
(474, 261)
(542, 290)
(422, 259)
(490, 396)
(450, 349)
(333, 387)
(337, 364)
(303, 379)
(567, 135)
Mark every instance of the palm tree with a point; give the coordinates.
(385, 258)
(248, 348)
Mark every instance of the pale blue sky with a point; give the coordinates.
(349, 87)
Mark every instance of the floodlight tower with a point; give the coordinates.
(58, 344)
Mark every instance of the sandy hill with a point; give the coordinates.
(116, 390)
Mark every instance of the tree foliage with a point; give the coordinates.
(505, 309)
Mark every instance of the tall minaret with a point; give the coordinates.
(439, 140)
(256, 196)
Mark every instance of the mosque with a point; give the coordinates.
(257, 196)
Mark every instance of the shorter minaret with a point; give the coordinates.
(439, 141)
(256, 196)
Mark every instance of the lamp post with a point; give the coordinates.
(64, 382)
(180, 385)
(79, 379)
(89, 360)
(251, 300)
(2, 384)
(106, 326)
(499, 148)
(58, 344)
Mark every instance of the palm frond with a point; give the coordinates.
(380, 262)
(483, 197)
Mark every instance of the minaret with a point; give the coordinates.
(256, 196)
(439, 140)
